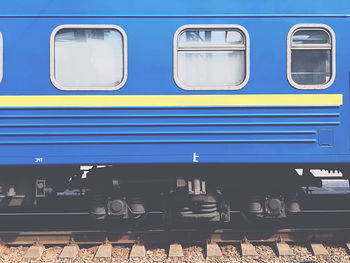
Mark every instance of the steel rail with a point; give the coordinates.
(175, 235)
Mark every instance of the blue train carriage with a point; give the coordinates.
(209, 105)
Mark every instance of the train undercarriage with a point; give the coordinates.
(179, 193)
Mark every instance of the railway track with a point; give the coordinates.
(176, 236)
(318, 237)
(187, 245)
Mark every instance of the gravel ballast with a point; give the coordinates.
(196, 254)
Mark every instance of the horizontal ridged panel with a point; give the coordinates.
(67, 116)
(161, 141)
(162, 126)
(154, 124)
(155, 133)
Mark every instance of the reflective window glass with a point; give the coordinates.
(89, 58)
(311, 37)
(206, 37)
(210, 68)
(311, 67)
(211, 58)
(311, 56)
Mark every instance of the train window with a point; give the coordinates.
(311, 56)
(1, 58)
(211, 57)
(88, 57)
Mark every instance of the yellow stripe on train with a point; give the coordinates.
(171, 100)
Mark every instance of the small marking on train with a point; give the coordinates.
(38, 160)
(195, 156)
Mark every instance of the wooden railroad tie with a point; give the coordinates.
(34, 252)
(318, 249)
(175, 252)
(138, 251)
(104, 252)
(213, 251)
(247, 248)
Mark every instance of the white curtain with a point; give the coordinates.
(88, 57)
(211, 68)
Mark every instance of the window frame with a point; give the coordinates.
(1, 57)
(331, 47)
(212, 27)
(84, 88)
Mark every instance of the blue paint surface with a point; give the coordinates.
(179, 7)
(170, 135)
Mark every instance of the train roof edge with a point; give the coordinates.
(175, 8)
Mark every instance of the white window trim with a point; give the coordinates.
(218, 47)
(331, 33)
(1, 57)
(83, 88)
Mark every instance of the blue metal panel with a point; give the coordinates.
(136, 135)
(174, 8)
(170, 134)
(26, 40)
(325, 137)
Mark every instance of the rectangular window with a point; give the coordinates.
(211, 57)
(311, 56)
(88, 57)
(1, 57)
